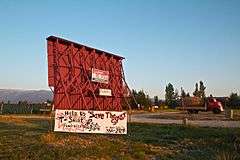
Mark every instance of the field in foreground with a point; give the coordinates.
(30, 139)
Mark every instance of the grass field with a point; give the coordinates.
(30, 139)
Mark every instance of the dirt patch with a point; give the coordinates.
(204, 119)
(182, 114)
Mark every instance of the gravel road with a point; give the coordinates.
(204, 119)
(156, 118)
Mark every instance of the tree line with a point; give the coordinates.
(173, 97)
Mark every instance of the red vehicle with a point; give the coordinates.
(196, 104)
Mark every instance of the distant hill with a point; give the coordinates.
(31, 96)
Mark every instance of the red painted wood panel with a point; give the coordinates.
(69, 73)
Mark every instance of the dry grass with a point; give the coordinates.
(51, 138)
(48, 138)
(11, 119)
(226, 155)
(236, 114)
(144, 141)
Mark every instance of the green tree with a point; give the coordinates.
(169, 95)
(132, 101)
(156, 101)
(148, 101)
(199, 92)
(234, 96)
(176, 95)
(202, 90)
(196, 93)
(143, 99)
(234, 101)
(183, 93)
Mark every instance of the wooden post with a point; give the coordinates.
(185, 121)
(1, 110)
(231, 114)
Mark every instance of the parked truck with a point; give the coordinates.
(196, 104)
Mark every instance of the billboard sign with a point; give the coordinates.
(83, 121)
(100, 76)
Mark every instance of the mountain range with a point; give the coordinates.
(31, 96)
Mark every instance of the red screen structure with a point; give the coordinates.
(70, 76)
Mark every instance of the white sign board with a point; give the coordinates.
(105, 92)
(100, 76)
(82, 121)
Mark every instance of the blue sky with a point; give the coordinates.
(163, 41)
